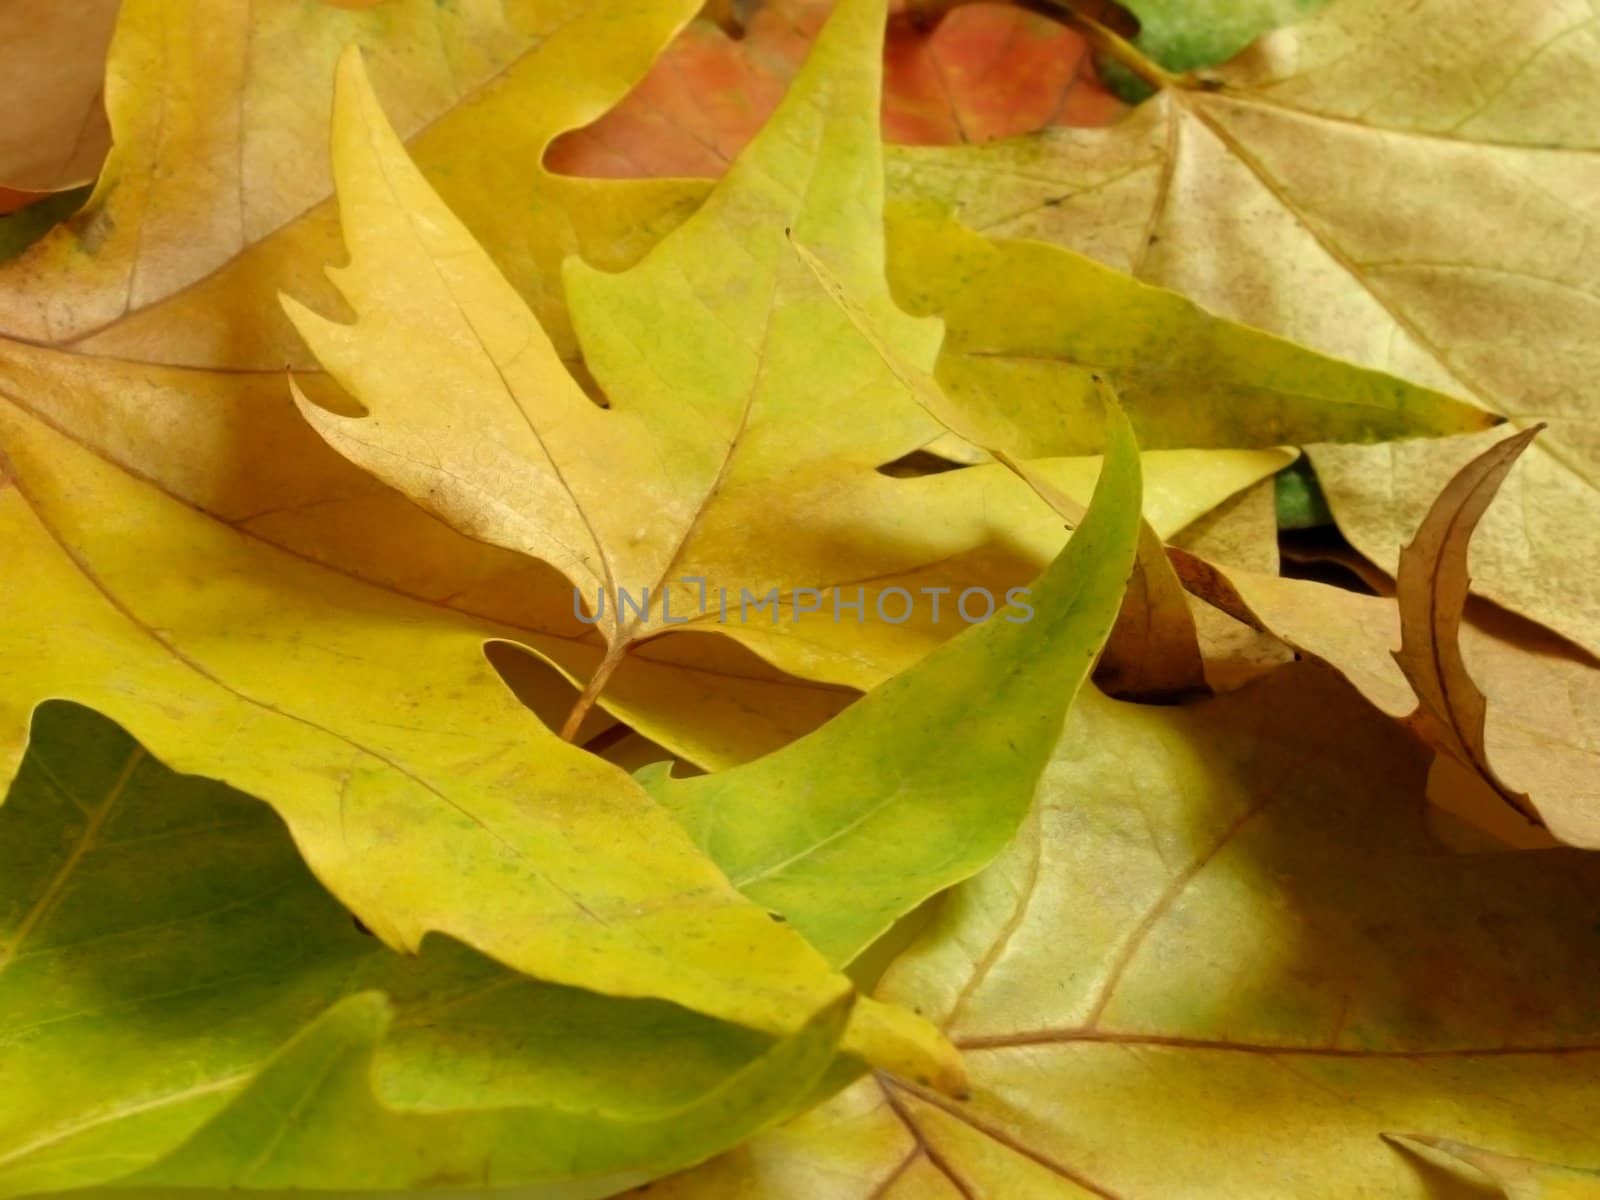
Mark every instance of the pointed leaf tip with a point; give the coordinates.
(1431, 590)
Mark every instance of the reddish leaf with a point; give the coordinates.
(984, 71)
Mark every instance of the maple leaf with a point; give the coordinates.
(1028, 663)
(1297, 190)
(419, 790)
(1223, 957)
(469, 409)
(164, 344)
(1222, 927)
(131, 891)
(1533, 740)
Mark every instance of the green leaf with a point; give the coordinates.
(415, 785)
(1183, 35)
(21, 229)
(920, 783)
(1032, 327)
(181, 1004)
(1299, 499)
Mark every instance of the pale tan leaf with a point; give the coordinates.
(1410, 187)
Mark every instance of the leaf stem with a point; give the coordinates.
(1112, 44)
(614, 655)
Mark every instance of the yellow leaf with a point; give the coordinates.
(1223, 958)
(1304, 189)
(746, 414)
(1153, 648)
(160, 298)
(416, 787)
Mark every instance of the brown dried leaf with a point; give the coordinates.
(1431, 591)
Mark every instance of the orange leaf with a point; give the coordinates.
(985, 71)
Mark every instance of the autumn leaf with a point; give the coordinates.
(881, 808)
(469, 409)
(1034, 328)
(148, 328)
(418, 789)
(1532, 740)
(983, 71)
(1298, 189)
(1511, 703)
(1223, 958)
(1152, 649)
(459, 431)
(1072, 610)
(1431, 594)
(977, 931)
(173, 980)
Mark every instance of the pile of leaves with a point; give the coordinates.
(575, 619)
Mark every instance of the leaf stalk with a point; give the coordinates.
(614, 655)
(1112, 44)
